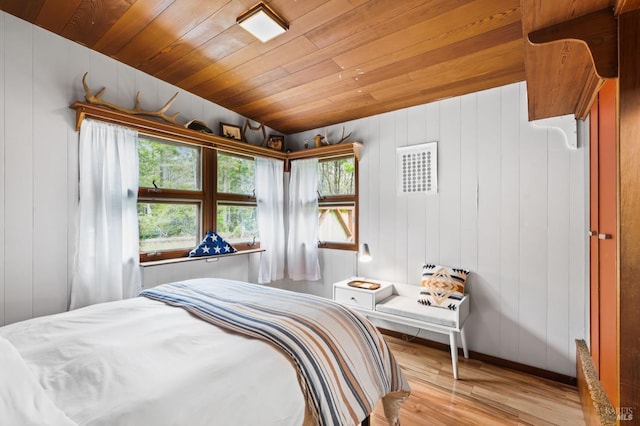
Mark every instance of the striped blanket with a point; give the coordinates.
(343, 362)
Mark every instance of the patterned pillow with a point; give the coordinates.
(211, 245)
(442, 286)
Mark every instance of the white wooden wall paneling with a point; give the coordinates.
(19, 150)
(579, 248)
(486, 142)
(78, 60)
(326, 268)
(558, 252)
(449, 181)
(3, 224)
(125, 87)
(50, 173)
(533, 244)
(510, 223)
(210, 112)
(386, 257)
(468, 190)
(372, 231)
(336, 265)
(366, 187)
(432, 232)
(485, 295)
(401, 230)
(233, 268)
(418, 216)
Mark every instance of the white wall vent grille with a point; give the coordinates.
(418, 169)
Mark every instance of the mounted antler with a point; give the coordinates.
(343, 138)
(161, 113)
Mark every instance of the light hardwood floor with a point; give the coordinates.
(484, 395)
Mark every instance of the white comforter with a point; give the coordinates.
(140, 362)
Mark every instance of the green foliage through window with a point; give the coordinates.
(170, 165)
(236, 174)
(336, 176)
(237, 223)
(166, 226)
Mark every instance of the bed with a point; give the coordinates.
(199, 352)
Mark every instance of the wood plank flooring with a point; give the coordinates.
(484, 395)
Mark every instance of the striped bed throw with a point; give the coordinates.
(343, 362)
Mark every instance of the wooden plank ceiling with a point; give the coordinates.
(340, 60)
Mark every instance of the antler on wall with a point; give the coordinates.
(161, 113)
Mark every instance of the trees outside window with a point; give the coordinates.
(185, 191)
(337, 203)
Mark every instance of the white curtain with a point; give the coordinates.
(270, 199)
(302, 244)
(106, 263)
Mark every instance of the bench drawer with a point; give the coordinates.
(356, 298)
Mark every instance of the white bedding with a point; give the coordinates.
(140, 362)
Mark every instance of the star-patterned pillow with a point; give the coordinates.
(442, 286)
(211, 245)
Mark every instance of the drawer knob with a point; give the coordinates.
(353, 298)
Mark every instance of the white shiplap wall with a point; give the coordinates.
(40, 76)
(511, 207)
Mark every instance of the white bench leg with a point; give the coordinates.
(454, 353)
(463, 338)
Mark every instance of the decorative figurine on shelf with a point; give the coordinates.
(198, 126)
(276, 142)
(318, 139)
(260, 127)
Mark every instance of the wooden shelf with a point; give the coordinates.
(570, 50)
(182, 134)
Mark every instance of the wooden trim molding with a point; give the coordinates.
(193, 137)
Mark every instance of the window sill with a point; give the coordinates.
(202, 258)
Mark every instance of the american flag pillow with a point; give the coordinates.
(211, 245)
(442, 286)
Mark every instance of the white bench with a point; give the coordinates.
(398, 303)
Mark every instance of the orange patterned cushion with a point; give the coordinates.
(442, 286)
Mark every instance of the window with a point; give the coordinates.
(170, 198)
(168, 226)
(180, 198)
(337, 202)
(187, 190)
(236, 206)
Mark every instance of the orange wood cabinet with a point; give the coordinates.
(603, 236)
